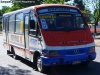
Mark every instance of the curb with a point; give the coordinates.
(0, 34)
(97, 45)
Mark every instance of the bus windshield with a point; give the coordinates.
(61, 19)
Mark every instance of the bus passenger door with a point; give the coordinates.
(26, 36)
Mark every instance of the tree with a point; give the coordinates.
(26, 3)
(4, 9)
(14, 7)
(0, 12)
(87, 15)
(79, 4)
(96, 13)
(55, 1)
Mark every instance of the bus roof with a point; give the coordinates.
(37, 6)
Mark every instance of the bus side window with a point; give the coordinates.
(3, 24)
(11, 23)
(32, 27)
(32, 24)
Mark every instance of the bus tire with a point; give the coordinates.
(85, 64)
(13, 53)
(8, 52)
(40, 67)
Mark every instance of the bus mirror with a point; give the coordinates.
(39, 38)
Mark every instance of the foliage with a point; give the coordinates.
(0, 27)
(86, 14)
(19, 4)
(26, 3)
(96, 7)
(55, 1)
(96, 15)
(79, 4)
(13, 8)
(4, 9)
(95, 4)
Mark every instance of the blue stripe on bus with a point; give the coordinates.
(72, 51)
(69, 56)
(65, 60)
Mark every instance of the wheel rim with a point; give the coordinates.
(39, 64)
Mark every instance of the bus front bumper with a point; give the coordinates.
(68, 59)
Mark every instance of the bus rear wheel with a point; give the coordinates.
(13, 53)
(8, 52)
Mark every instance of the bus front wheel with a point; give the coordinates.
(38, 65)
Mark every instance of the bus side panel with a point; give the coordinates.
(5, 44)
(4, 36)
(33, 43)
(29, 55)
(17, 41)
(33, 46)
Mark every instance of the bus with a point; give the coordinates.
(48, 35)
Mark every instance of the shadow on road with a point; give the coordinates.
(92, 69)
(13, 70)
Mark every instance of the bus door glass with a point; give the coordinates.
(26, 17)
(33, 41)
(6, 29)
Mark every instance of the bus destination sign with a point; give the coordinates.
(57, 10)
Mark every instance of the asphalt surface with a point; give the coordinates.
(10, 66)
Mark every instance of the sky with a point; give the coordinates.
(3, 3)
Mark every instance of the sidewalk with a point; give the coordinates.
(97, 42)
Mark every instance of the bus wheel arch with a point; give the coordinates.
(13, 52)
(35, 55)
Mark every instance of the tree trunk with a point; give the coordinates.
(96, 23)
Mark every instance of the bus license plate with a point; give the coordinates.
(76, 62)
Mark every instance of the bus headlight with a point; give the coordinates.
(50, 53)
(53, 52)
(92, 49)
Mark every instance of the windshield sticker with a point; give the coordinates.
(44, 25)
(73, 10)
(51, 16)
(77, 14)
(65, 15)
(58, 9)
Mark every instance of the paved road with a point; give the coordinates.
(10, 66)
